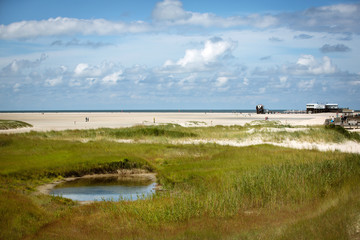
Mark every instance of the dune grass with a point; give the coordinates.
(12, 124)
(210, 191)
(166, 133)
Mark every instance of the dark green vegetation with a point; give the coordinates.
(11, 124)
(210, 191)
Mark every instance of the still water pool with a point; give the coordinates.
(105, 188)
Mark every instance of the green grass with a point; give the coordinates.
(169, 132)
(210, 191)
(12, 124)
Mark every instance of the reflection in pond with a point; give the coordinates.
(105, 188)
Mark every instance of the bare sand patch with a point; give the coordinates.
(348, 146)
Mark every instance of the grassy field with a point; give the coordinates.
(210, 191)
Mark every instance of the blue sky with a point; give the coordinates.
(173, 54)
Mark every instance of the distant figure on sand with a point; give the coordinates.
(87, 119)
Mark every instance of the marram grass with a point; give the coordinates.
(271, 131)
(11, 124)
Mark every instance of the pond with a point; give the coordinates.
(112, 188)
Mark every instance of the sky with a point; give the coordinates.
(172, 54)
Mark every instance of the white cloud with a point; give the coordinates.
(80, 69)
(199, 59)
(305, 65)
(283, 79)
(68, 26)
(168, 14)
(19, 65)
(308, 64)
(221, 81)
(246, 81)
(306, 85)
(306, 60)
(86, 70)
(113, 78)
(169, 10)
(91, 81)
(189, 79)
(53, 81)
(340, 8)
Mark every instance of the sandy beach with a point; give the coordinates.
(63, 121)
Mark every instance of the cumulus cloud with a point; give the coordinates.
(54, 81)
(80, 69)
(284, 82)
(305, 85)
(113, 78)
(303, 36)
(283, 79)
(334, 48)
(188, 83)
(221, 81)
(18, 65)
(200, 59)
(307, 64)
(169, 10)
(86, 70)
(246, 81)
(137, 73)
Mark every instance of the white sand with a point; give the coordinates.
(63, 121)
(348, 146)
